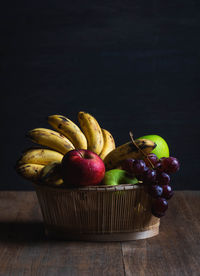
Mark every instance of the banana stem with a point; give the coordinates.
(145, 155)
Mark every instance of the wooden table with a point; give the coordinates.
(24, 249)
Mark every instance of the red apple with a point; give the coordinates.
(82, 168)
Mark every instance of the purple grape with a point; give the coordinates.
(163, 178)
(158, 215)
(139, 167)
(170, 165)
(167, 192)
(161, 159)
(141, 177)
(159, 207)
(158, 167)
(153, 158)
(127, 165)
(155, 191)
(149, 176)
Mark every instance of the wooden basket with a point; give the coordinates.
(100, 213)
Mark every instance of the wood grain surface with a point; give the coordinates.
(24, 249)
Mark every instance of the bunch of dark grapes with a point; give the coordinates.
(155, 174)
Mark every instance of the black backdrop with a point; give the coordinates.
(134, 65)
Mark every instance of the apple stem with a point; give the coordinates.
(80, 153)
(135, 144)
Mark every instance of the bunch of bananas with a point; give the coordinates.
(44, 163)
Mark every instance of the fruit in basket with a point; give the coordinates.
(139, 167)
(128, 150)
(76, 157)
(155, 190)
(40, 156)
(29, 171)
(159, 207)
(162, 149)
(51, 174)
(170, 164)
(92, 131)
(134, 167)
(167, 192)
(160, 188)
(152, 159)
(34, 160)
(51, 139)
(163, 178)
(154, 173)
(149, 176)
(69, 129)
(117, 177)
(82, 168)
(109, 143)
(67, 137)
(127, 165)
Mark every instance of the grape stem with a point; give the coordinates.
(135, 144)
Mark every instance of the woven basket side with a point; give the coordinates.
(97, 212)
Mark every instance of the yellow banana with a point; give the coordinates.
(51, 174)
(40, 156)
(68, 129)
(128, 150)
(30, 171)
(51, 139)
(109, 143)
(92, 131)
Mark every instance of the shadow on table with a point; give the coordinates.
(21, 231)
(28, 233)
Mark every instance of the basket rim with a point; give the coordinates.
(103, 188)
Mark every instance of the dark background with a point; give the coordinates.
(134, 65)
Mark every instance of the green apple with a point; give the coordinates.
(162, 149)
(117, 177)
